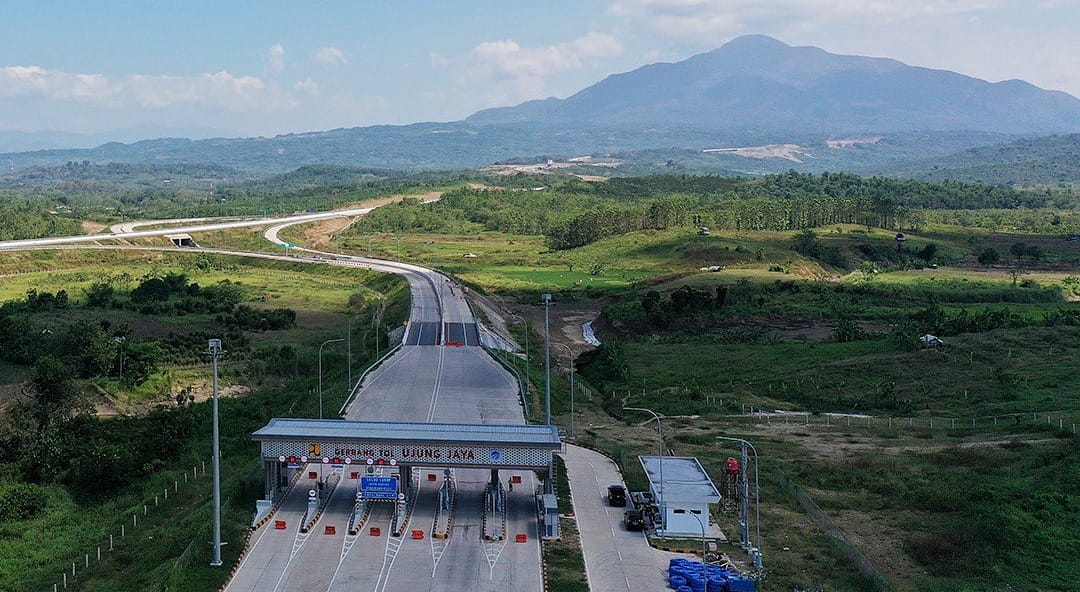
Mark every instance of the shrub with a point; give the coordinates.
(22, 501)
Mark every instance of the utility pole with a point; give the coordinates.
(744, 502)
(215, 352)
(546, 299)
(660, 442)
(549, 485)
(338, 340)
(570, 352)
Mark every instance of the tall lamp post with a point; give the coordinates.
(524, 320)
(757, 488)
(338, 340)
(215, 352)
(119, 339)
(546, 299)
(704, 547)
(349, 354)
(569, 351)
(660, 440)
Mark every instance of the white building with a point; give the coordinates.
(683, 491)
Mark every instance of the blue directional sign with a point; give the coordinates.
(379, 488)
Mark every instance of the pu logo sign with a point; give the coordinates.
(314, 449)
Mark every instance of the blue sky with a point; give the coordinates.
(274, 67)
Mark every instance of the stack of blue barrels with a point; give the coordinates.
(685, 575)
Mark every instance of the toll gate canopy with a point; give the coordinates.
(365, 443)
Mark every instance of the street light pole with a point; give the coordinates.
(526, 321)
(339, 339)
(546, 299)
(349, 355)
(660, 439)
(215, 352)
(120, 339)
(573, 432)
(704, 547)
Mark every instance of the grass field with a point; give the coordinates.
(951, 510)
(273, 282)
(166, 549)
(1002, 371)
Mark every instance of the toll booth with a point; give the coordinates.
(289, 444)
(549, 513)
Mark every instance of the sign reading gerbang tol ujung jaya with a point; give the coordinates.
(450, 456)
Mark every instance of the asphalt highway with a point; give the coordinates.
(441, 374)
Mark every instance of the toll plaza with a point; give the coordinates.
(384, 457)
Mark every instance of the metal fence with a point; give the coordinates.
(1062, 421)
(127, 527)
(861, 562)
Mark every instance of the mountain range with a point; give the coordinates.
(740, 101)
(757, 82)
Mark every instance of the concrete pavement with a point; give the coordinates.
(616, 560)
(429, 382)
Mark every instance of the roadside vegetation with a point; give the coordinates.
(91, 442)
(796, 296)
(715, 295)
(564, 563)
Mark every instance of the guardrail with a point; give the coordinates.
(523, 390)
(359, 381)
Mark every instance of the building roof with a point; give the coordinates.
(684, 479)
(340, 430)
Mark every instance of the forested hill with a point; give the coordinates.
(572, 213)
(1045, 161)
(85, 175)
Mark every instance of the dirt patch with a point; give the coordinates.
(792, 152)
(89, 227)
(565, 321)
(199, 391)
(321, 234)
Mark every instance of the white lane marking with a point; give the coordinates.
(435, 390)
(492, 552)
(266, 528)
(302, 537)
(393, 544)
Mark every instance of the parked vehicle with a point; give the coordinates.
(634, 520)
(616, 495)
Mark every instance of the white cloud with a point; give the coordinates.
(275, 59)
(307, 86)
(330, 55)
(507, 58)
(528, 67)
(218, 89)
(438, 60)
(33, 81)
